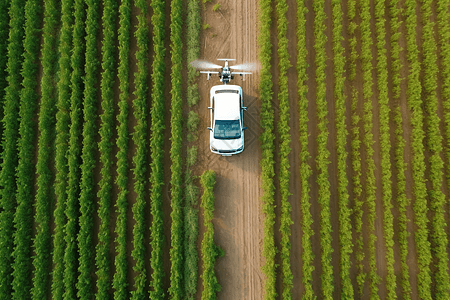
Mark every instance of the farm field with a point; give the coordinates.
(108, 189)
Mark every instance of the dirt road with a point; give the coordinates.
(238, 217)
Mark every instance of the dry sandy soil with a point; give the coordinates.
(238, 218)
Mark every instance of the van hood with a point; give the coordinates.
(226, 145)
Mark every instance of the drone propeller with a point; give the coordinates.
(225, 59)
(245, 67)
(203, 64)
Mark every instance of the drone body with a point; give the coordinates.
(226, 74)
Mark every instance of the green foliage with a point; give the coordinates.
(210, 251)
(285, 149)
(176, 290)
(403, 203)
(4, 32)
(355, 146)
(400, 165)
(206, 26)
(370, 186)
(418, 160)
(74, 153)
(62, 147)
(444, 51)
(434, 143)
(305, 169)
(10, 137)
(157, 149)
(191, 190)
(267, 147)
(383, 100)
(443, 16)
(345, 227)
(44, 196)
(192, 94)
(120, 281)
(102, 258)
(191, 156)
(216, 6)
(23, 218)
(190, 227)
(192, 121)
(192, 124)
(322, 159)
(86, 248)
(140, 156)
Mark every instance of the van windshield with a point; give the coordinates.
(226, 130)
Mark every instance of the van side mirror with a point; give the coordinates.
(244, 128)
(209, 128)
(244, 108)
(209, 107)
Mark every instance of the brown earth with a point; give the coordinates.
(238, 218)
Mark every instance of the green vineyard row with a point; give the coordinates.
(267, 147)
(23, 217)
(434, 145)
(345, 226)
(305, 169)
(399, 147)
(4, 34)
(176, 180)
(10, 137)
(42, 261)
(140, 161)
(102, 258)
(322, 159)
(86, 248)
(157, 150)
(355, 146)
(191, 191)
(284, 148)
(385, 145)
(368, 142)
(444, 37)
(120, 282)
(210, 251)
(62, 147)
(418, 162)
(74, 154)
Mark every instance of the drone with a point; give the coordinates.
(225, 75)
